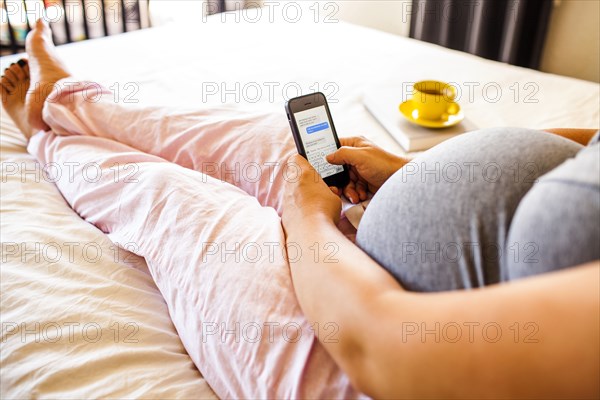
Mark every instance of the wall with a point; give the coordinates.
(387, 15)
(572, 46)
(573, 42)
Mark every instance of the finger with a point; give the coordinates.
(355, 172)
(361, 189)
(298, 166)
(345, 155)
(353, 175)
(299, 161)
(353, 141)
(350, 193)
(335, 190)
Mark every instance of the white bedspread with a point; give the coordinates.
(82, 320)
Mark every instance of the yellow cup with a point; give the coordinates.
(433, 99)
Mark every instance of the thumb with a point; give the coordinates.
(345, 155)
(299, 162)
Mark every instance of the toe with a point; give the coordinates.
(8, 80)
(10, 76)
(6, 85)
(17, 71)
(42, 27)
(4, 92)
(24, 63)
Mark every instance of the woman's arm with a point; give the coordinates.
(538, 337)
(581, 136)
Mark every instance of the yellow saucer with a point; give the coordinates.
(453, 117)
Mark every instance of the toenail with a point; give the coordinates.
(22, 63)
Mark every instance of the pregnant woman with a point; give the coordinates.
(227, 218)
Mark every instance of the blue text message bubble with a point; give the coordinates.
(317, 128)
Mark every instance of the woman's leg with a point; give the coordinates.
(246, 150)
(217, 257)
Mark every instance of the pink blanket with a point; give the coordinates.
(198, 196)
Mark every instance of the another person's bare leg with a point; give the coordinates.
(45, 70)
(14, 85)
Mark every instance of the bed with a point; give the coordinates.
(82, 318)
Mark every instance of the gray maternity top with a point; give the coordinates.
(485, 207)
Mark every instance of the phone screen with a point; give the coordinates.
(317, 137)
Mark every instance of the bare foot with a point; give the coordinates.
(46, 70)
(14, 85)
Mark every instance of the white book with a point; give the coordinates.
(383, 104)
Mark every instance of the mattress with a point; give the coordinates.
(82, 318)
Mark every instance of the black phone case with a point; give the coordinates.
(340, 179)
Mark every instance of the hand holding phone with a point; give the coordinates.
(315, 136)
(370, 166)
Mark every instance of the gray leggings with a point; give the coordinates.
(448, 220)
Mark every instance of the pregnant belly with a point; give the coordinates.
(442, 221)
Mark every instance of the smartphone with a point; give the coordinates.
(315, 136)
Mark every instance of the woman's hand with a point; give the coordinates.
(307, 196)
(370, 166)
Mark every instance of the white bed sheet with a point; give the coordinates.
(109, 293)
(80, 318)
